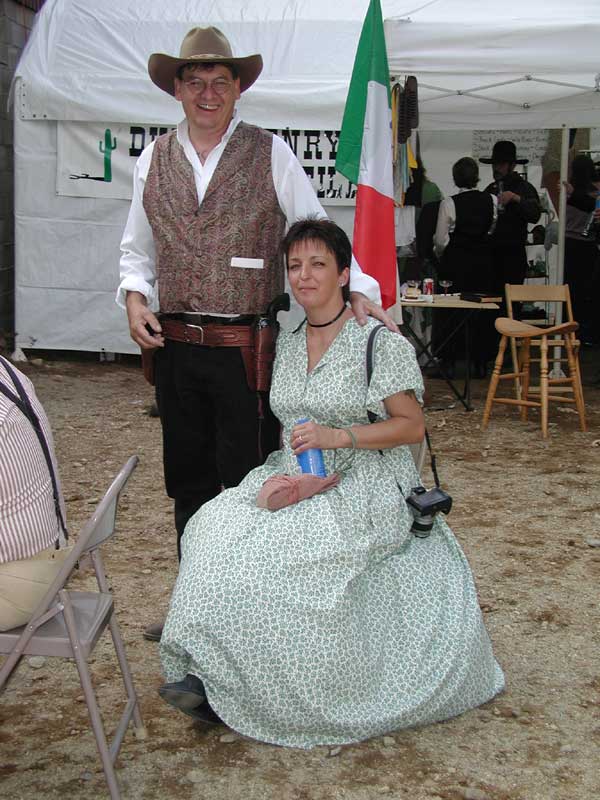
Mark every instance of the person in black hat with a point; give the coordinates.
(518, 205)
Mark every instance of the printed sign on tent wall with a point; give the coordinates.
(316, 151)
(531, 144)
(98, 160)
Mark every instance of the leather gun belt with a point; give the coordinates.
(209, 335)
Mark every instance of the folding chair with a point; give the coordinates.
(69, 623)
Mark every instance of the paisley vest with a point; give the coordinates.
(239, 218)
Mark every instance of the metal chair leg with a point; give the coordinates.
(90, 699)
(140, 730)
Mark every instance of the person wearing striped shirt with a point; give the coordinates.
(30, 530)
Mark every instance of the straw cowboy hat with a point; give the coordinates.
(204, 45)
(504, 152)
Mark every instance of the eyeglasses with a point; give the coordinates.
(220, 85)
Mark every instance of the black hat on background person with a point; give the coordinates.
(504, 152)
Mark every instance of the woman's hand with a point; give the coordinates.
(309, 435)
(406, 425)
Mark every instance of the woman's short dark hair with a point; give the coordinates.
(327, 232)
(465, 173)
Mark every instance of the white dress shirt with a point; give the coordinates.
(296, 196)
(446, 221)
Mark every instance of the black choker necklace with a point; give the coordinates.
(331, 321)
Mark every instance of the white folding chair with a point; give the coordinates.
(69, 623)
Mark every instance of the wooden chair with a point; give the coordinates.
(69, 623)
(562, 336)
(556, 299)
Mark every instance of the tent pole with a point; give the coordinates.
(562, 206)
(556, 371)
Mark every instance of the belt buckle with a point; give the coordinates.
(198, 328)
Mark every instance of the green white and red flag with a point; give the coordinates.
(364, 156)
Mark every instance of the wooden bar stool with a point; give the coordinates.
(556, 301)
(545, 338)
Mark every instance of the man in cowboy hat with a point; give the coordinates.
(518, 205)
(211, 202)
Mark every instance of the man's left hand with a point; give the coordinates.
(504, 198)
(362, 308)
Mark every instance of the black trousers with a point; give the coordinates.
(582, 268)
(509, 266)
(469, 269)
(212, 433)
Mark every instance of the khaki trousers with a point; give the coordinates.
(24, 583)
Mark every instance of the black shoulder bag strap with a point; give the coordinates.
(370, 352)
(373, 417)
(24, 404)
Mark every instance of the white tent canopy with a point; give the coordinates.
(87, 59)
(513, 65)
(500, 65)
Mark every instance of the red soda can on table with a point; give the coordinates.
(427, 285)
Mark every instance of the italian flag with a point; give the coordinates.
(365, 156)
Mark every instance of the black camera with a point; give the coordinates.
(424, 505)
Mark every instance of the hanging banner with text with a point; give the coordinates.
(97, 159)
(530, 144)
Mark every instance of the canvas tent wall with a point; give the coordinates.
(83, 75)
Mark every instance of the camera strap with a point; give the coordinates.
(23, 403)
(373, 417)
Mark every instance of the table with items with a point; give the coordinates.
(465, 309)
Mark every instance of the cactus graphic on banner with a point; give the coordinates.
(107, 149)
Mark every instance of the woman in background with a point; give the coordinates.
(463, 246)
(582, 262)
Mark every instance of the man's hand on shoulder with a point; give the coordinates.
(362, 308)
(140, 318)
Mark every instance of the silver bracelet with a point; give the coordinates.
(346, 461)
(352, 437)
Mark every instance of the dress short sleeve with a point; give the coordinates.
(395, 369)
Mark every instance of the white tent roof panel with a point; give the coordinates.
(87, 59)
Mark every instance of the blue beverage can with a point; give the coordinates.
(311, 461)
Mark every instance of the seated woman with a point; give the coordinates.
(328, 621)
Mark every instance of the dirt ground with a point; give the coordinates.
(528, 516)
